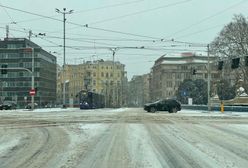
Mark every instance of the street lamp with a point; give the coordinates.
(64, 12)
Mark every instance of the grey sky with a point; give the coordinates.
(197, 21)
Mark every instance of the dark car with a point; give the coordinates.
(29, 105)
(170, 105)
(7, 106)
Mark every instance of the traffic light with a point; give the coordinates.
(235, 63)
(4, 70)
(220, 65)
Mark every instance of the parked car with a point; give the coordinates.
(29, 105)
(7, 106)
(170, 105)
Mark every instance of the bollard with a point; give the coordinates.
(222, 107)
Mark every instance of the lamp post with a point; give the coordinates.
(64, 12)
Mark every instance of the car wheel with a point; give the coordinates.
(173, 110)
(153, 109)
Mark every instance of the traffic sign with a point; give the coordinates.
(32, 92)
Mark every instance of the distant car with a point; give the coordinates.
(29, 105)
(170, 105)
(7, 106)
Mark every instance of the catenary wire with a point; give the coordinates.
(207, 18)
(96, 28)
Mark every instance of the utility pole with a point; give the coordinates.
(64, 12)
(32, 87)
(114, 101)
(209, 78)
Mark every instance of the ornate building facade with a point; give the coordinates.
(104, 77)
(169, 71)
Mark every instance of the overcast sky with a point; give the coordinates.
(142, 30)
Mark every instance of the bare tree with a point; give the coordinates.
(232, 42)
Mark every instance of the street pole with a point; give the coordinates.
(32, 85)
(114, 99)
(209, 78)
(64, 102)
(64, 12)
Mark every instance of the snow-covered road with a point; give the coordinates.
(122, 138)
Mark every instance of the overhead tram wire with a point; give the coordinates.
(207, 18)
(139, 12)
(99, 29)
(36, 35)
(131, 48)
(200, 31)
(12, 20)
(151, 48)
(88, 41)
(80, 25)
(87, 10)
(110, 6)
(142, 11)
(78, 40)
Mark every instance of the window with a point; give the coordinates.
(235, 63)
(246, 61)
(20, 74)
(169, 75)
(14, 45)
(178, 75)
(169, 84)
(220, 65)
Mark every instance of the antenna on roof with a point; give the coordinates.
(7, 31)
(29, 34)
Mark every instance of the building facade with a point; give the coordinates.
(169, 71)
(17, 54)
(104, 77)
(139, 92)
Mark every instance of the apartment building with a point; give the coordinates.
(104, 77)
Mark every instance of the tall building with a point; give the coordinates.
(169, 71)
(104, 77)
(17, 55)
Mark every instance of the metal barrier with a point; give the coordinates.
(216, 108)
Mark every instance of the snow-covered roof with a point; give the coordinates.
(184, 61)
